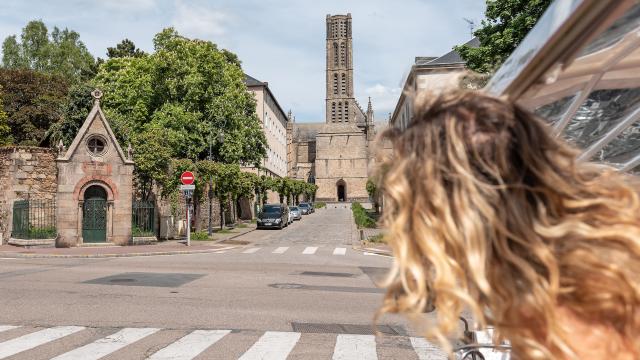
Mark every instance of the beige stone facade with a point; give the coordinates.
(94, 166)
(428, 74)
(274, 125)
(337, 154)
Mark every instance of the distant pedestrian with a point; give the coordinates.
(488, 212)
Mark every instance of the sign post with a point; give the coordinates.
(187, 178)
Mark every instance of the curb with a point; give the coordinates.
(95, 256)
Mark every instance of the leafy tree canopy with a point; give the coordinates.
(189, 98)
(507, 23)
(126, 48)
(5, 130)
(33, 102)
(59, 53)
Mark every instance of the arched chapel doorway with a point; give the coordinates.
(341, 189)
(94, 215)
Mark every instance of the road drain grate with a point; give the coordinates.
(333, 274)
(342, 329)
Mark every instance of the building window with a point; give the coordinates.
(335, 54)
(333, 112)
(346, 111)
(343, 88)
(335, 84)
(97, 145)
(343, 55)
(339, 111)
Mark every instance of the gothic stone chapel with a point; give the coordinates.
(95, 185)
(75, 196)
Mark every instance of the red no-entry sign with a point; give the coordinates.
(187, 178)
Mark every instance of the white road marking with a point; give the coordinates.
(107, 345)
(29, 341)
(340, 251)
(273, 345)
(7, 327)
(190, 345)
(250, 251)
(310, 250)
(361, 347)
(426, 350)
(280, 250)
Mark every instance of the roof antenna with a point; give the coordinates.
(472, 25)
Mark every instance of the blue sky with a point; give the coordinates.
(281, 42)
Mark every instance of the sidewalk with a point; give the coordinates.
(170, 247)
(363, 245)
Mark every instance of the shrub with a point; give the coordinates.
(199, 235)
(361, 217)
(379, 238)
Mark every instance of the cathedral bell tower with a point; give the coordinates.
(340, 103)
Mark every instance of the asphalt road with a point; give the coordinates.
(298, 293)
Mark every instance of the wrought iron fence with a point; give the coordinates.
(143, 218)
(34, 219)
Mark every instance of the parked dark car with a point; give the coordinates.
(273, 216)
(305, 209)
(295, 212)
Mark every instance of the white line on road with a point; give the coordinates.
(362, 347)
(273, 345)
(340, 251)
(426, 350)
(280, 250)
(310, 250)
(190, 346)
(29, 341)
(250, 251)
(105, 346)
(7, 327)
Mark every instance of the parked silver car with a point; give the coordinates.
(295, 212)
(305, 209)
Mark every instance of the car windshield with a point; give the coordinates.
(303, 205)
(294, 208)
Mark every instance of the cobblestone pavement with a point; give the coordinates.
(324, 227)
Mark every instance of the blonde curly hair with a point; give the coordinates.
(488, 212)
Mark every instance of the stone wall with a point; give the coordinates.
(25, 172)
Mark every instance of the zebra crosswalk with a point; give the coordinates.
(295, 250)
(270, 345)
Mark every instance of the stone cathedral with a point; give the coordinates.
(336, 153)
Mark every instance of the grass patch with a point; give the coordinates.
(319, 205)
(242, 226)
(362, 216)
(224, 231)
(200, 236)
(254, 221)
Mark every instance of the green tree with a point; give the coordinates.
(5, 130)
(61, 53)
(76, 107)
(190, 89)
(507, 23)
(33, 102)
(126, 48)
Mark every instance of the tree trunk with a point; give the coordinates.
(221, 214)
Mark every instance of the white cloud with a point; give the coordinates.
(383, 98)
(198, 21)
(129, 5)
